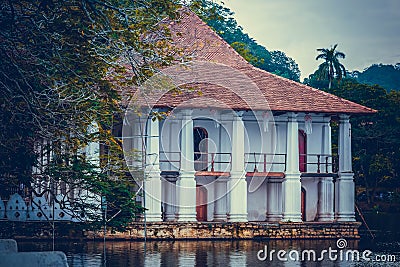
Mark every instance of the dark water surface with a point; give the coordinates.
(234, 253)
(213, 253)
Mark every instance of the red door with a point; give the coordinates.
(302, 151)
(201, 203)
(303, 204)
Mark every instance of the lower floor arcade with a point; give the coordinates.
(297, 186)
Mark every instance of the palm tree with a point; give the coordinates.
(331, 68)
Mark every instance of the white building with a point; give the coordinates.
(251, 147)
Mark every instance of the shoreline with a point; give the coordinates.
(185, 231)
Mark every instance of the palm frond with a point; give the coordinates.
(339, 55)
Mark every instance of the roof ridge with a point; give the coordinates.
(189, 12)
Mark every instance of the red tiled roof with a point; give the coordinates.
(197, 39)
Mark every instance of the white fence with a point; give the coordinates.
(36, 209)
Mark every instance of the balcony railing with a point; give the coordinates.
(265, 162)
(318, 163)
(254, 162)
(212, 161)
(170, 161)
(203, 161)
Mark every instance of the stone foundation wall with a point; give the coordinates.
(169, 230)
(240, 231)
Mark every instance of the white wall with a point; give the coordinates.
(257, 201)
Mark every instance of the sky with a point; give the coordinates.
(367, 31)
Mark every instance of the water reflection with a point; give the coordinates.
(192, 253)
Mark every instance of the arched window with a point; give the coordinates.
(200, 137)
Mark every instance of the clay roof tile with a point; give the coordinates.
(196, 38)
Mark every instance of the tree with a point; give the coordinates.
(375, 138)
(387, 76)
(221, 20)
(331, 68)
(61, 63)
(242, 49)
(284, 66)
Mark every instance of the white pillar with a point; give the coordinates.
(291, 186)
(134, 144)
(326, 148)
(152, 182)
(274, 202)
(186, 184)
(92, 150)
(237, 183)
(220, 200)
(325, 185)
(344, 185)
(325, 199)
(169, 186)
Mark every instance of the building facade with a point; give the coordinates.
(233, 167)
(251, 147)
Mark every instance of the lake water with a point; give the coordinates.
(237, 253)
(217, 253)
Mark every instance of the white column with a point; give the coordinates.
(274, 203)
(186, 184)
(344, 185)
(326, 144)
(169, 199)
(291, 186)
(92, 150)
(152, 182)
(325, 199)
(237, 185)
(220, 200)
(133, 151)
(325, 185)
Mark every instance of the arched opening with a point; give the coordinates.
(302, 151)
(200, 137)
(201, 203)
(303, 204)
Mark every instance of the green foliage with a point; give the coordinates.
(284, 66)
(220, 18)
(331, 68)
(375, 138)
(61, 62)
(75, 173)
(242, 49)
(387, 76)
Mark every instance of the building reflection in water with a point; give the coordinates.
(187, 253)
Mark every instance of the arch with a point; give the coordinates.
(302, 151)
(16, 209)
(200, 136)
(303, 204)
(40, 209)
